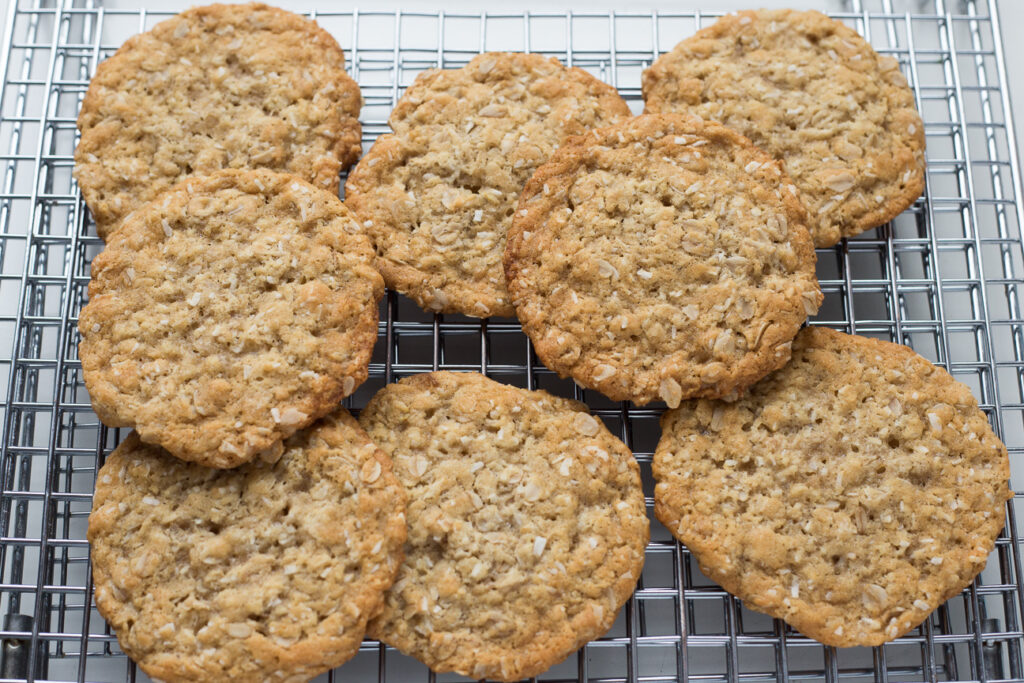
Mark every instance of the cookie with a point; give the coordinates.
(265, 572)
(664, 257)
(814, 94)
(850, 493)
(229, 313)
(527, 525)
(221, 86)
(436, 196)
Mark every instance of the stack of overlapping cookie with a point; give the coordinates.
(841, 483)
(234, 306)
(249, 529)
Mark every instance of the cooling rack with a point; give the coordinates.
(942, 278)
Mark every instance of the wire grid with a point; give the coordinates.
(941, 278)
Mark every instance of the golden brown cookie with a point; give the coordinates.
(814, 94)
(527, 525)
(436, 196)
(850, 493)
(664, 257)
(220, 86)
(265, 572)
(229, 313)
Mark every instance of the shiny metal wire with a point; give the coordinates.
(944, 278)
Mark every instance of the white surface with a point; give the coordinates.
(1011, 16)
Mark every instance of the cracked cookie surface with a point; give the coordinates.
(850, 493)
(229, 313)
(813, 93)
(436, 196)
(265, 572)
(220, 86)
(527, 524)
(664, 257)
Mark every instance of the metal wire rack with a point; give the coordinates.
(942, 278)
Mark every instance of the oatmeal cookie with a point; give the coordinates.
(664, 257)
(265, 572)
(527, 524)
(221, 86)
(850, 493)
(229, 313)
(436, 196)
(814, 94)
